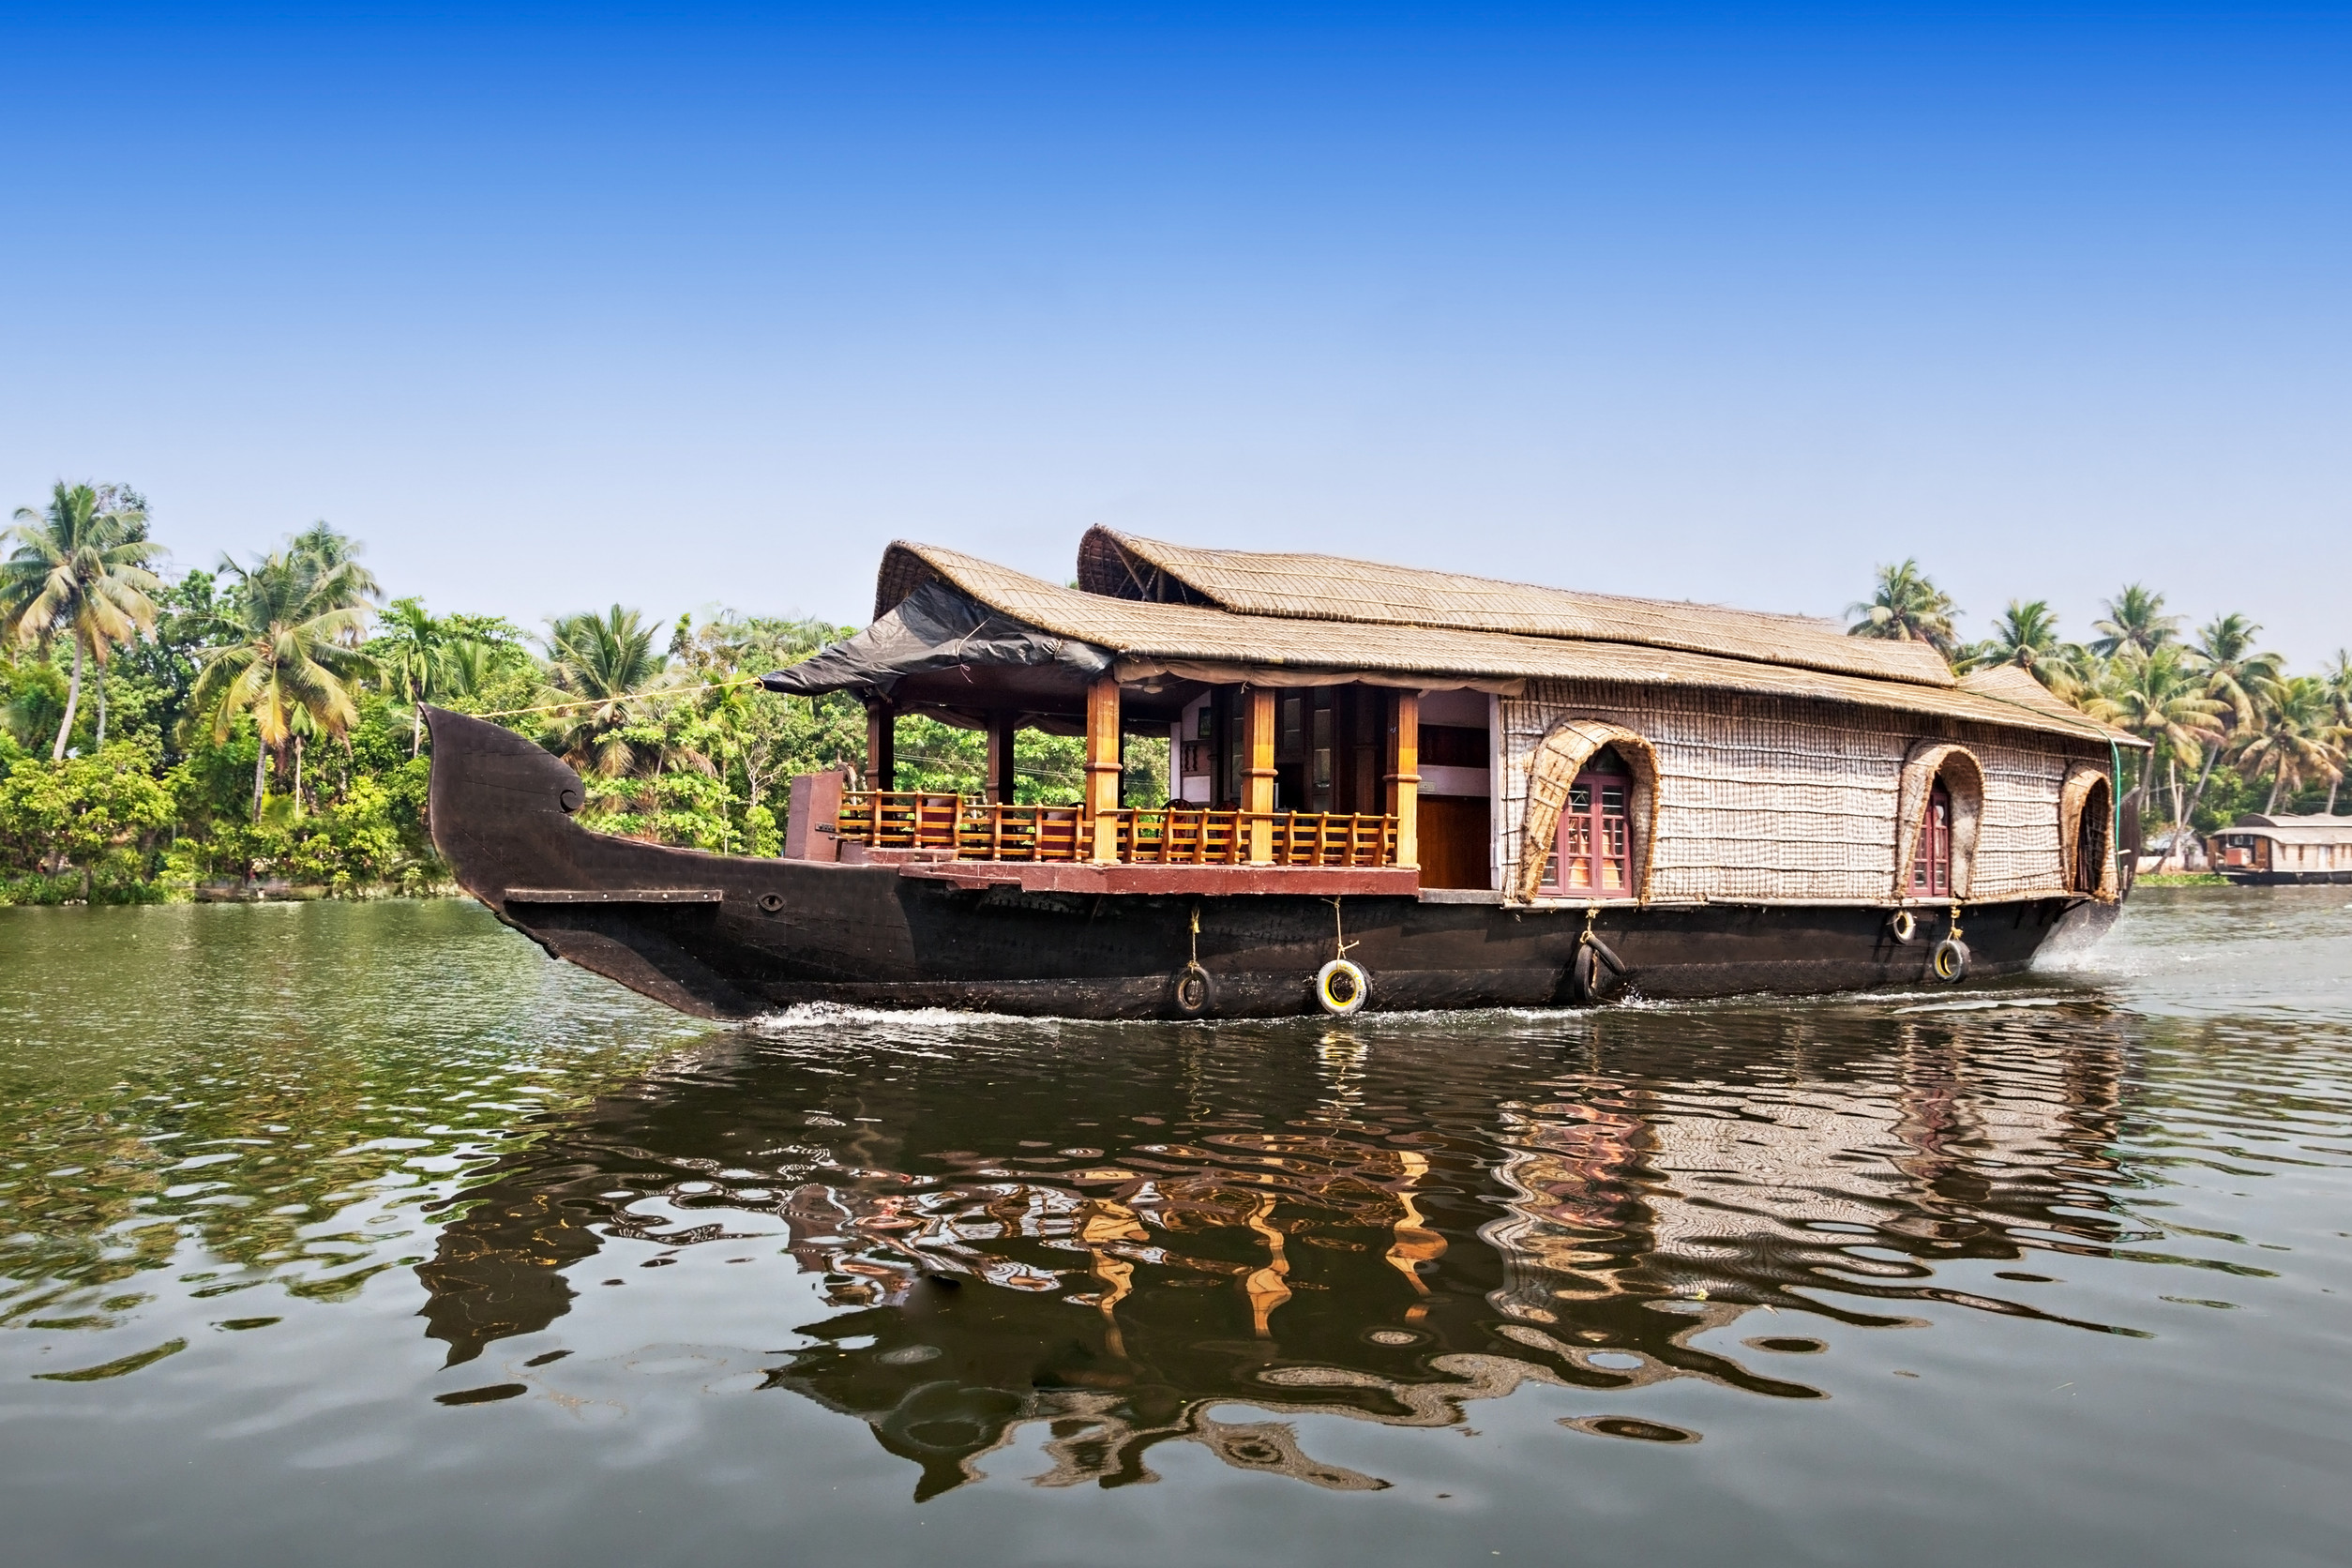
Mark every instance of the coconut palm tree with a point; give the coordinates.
(2135, 622)
(606, 667)
(2025, 634)
(2159, 698)
(2224, 654)
(78, 568)
(2295, 740)
(464, 665)
(1907, 607)
(291, 631)
(326, 550)
(2338, 678)
(408, 656)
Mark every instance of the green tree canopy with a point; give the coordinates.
(1907, 607)
(292, 624)
(80, 570)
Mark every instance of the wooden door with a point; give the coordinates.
(1457, 839)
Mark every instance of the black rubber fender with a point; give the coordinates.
(1192, 992)
(1589, 973)
(1950, 961)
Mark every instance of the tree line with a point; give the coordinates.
(261, 720)
(2233, 729)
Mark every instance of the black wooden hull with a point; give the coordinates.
(731, 937)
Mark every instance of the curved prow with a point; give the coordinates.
(500, 807)
(501, 814)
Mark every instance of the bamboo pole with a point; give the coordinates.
(1403, 778)
(1257, 779)
(1102, 765)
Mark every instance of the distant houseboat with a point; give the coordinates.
(2263, 849)
(1388, 787)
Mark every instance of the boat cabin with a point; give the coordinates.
(2261, 848)
(1340, 726)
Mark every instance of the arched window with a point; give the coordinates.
(1931, 864)
(1592, 847)
(2085, 824)
(1939, 807)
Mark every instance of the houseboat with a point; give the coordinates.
(2262, 849)
(1388, 788)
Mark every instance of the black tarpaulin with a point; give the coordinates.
(935, 628)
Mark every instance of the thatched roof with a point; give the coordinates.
(1333, 588)
(2316, 828)
(1149, 637)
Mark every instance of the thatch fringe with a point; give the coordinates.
(1336, 588)
(1207, 640)
(1552, 770)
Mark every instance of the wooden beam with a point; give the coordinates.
(1102, 764)
(1257, 779)
(999, 783)
(1403, 778)
(882, 745)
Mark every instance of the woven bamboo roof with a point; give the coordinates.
(2316, 828)
(1144, 633)
(1333, 588)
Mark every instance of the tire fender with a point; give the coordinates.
(1342, 987)
(1950, 961)
(1192, 992)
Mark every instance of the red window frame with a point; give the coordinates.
(1931, 863)
(1592, 848)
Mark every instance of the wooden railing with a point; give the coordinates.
(1163, 835)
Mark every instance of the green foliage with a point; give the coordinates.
(91, 822)
(1906, 606)
(221, 690)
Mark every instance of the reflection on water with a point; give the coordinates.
(1013, 1249)
(1391, 1223)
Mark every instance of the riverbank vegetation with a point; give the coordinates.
(258, 723)
(2232, 728)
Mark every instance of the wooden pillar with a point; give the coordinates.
(1258, 778)
(1102, 764)
(998, 785)
(1403, 776)
(882, 745)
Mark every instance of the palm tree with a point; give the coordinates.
(2026, 635)
(2157, 697)
(2296, 737)
(2338, 678)
(409, 655)
(325, 549)
(2023, 635)
(2223, 654)
(464, 665)
(80, 568)
(2134, 621)
(291, 629)
(608, 663)
(1907, 607)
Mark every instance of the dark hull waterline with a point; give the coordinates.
(727, 936)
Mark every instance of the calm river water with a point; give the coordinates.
(364, 1234)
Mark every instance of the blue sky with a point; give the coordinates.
(559, 305)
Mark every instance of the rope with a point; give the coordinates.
(1339, 928)
(631, 697)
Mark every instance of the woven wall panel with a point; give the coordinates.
(1765, 798)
